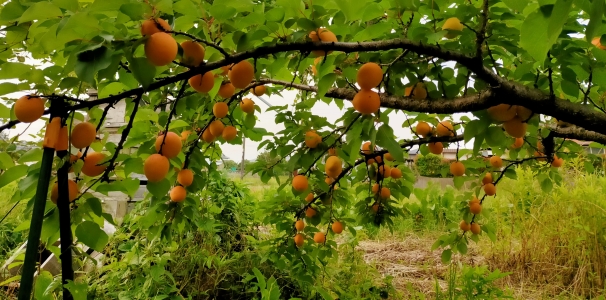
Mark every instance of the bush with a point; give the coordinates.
(432, 165)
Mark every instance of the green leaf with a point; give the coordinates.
(222, 12)
(135, 11)
(35, 154)
(518, 5)
(143, 71)
(90, 234)
(12, 11)
(459, 181)
(159, 189)
(324, 293)
(386, 140)
(113, 88)
(43, 281)
(446, 256)
(275, 15)
(546, 184)
(67, 4)
(13, 174)
(131, 185)
(588, 167)
(462, 246)
(326, 83)
(6, 161)
(78, 290)
(595, 19)
(90, 61)
(177, 124)
(40, 11)
(495, 136)
(7, 88)
(541, 29)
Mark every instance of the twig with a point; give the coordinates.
(172, 113)
(125, 132)
(481, 35)
(207, 43)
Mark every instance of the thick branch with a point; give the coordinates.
(578, 133)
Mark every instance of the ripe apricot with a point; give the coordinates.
(72, 193)
(310, 212)
(207, 136)
(423, 129)
(490, 189)
(177, 194)
(329, 180)
(464, 226)
(384, 171)
(375, 208)
(161, 49)
(322, 35)
(419, 92)
(515, 127)
(523, 113)
(247, 105)
(487, 178)
(300, 225)
(366, 148)
(241, 74)
(375, 188)
(149, 26)
(396, 173)
(63, 139)
(202, 83)
(333, 166)
(309, 197)
(539, 154)
(385, 193)
(518, 143)
(312, 139)
(184, 135)
(457, 168)
(185, 177)
(454, 27)
(172, 145)
(83, 135)
(337, 227)
(475, 208)
(29, 108)
(596, 42)
(557, 161)
(216, 128)
(193, 53)
(299, 183)
(378, 159)
(475, 228)
(259, 90)
(52, 133)
(299, 240)
(319, 238)
(369, 76)
(73, 159)
(156, 167)
(229, 133)
(91, 165)
(226, 90)
(332, 152)
(388, 156)
(445, 128)
(366, 102)
(436, 148)
(314, 69)
(496, 162)
(502, 112)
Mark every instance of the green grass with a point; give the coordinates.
(9, 239)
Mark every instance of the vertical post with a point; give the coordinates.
(35, 228)
(65, 231)
(242, 162)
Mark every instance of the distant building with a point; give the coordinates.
(449, 154)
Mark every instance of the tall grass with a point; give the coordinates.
(9, 239)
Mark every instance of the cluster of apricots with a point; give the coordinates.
(160, 47)
(383, 170)
(444, 128)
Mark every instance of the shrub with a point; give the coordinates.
(432, 165)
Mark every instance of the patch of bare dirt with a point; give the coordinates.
(411, 262)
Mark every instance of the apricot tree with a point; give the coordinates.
(529, 73)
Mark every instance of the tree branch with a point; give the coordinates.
(578, 133)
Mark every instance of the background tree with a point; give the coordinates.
(529, 73)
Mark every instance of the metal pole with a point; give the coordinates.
(65, 231)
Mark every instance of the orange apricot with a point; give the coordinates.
(185, 177)
(227, 90)
(464, 226)
(396, 173)
(436, 148)
(366, 102)
(259, 90)
(193, 53)
(557, 161)
(149, 26)
(178, 194)
(366, 148)
(322, 35)
(475, 208)
(247, 105)
(72, 191)
(445, 128)
(423, 129)
(299, 240)
(502, 112)
(241, 74)
(518, 143)
(155, 167)
(475, 228)
(369, 76)
(496, 162)
(216, 128)
(419, 92)
(207, 136)
(319, 238)
(515, 127)
(92, 166)
(202, 83)
(375, 188)
(161, 49)
(29, 108)
(457, 168)
(312, 139)
(310, 212)
(523, 113)
(337, 227)
(229, 133)
(172, 145)
(310, 197)
(299, 183)
(300, 225)
(487, 178)
(490, 189)
(333, 166)
(385, 193)
(83, 135)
